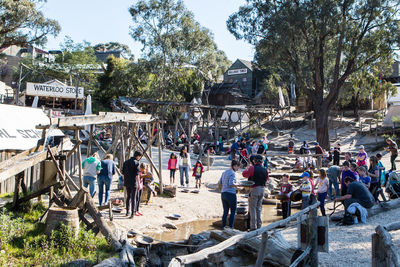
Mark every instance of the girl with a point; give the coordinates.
(139, 182)
(362, 157)
(323, 183)
(184, 165)
(373, 172)
(172, 162)
(228, 193)
(286, 190)
(147, 178)
(382, 173)
(197, 172)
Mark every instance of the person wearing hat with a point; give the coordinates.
(259, 175)
(305, 189)
(362, 157)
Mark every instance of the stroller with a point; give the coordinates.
(393, 184)
(244, 157)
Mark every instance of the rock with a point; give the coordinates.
(206, 244)
(196, 239)
(79, 263)
(110, 262)
(169, 226)
(212, 186)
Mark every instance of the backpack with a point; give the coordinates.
(347, 219)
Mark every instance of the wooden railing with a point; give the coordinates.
(384, 252)
(311, 250)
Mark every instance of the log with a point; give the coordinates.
(301, 257)
(126, 255)
(392, 256)
(102, 224)
(262, 250)
(79, 199)
(392, 226)
(40, 192)
(203, 254)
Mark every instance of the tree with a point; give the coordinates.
(173, 40)
(22, 23)
(320, 43)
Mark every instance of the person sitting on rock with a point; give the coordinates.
(356, 193)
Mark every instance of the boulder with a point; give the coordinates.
(197, 239)
(79, 263)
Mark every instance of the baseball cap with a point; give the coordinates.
(361, 147)
(316, 143)
(305, 174)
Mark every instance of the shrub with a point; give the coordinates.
(256, 132)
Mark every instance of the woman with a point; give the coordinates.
(393, 152)
(184, 165)
(373, 172)
(105, 178)
(323, 183)
(362, 157)
(304, 148)
(228, 193)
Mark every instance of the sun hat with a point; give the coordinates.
(305, 174)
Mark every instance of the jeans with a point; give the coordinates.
(131, 199)
(229, 202)
(104, 181)
(286, 210)
(393, 161)
(138, 197)
(333, 181)
(184, 170)
(321, 199)
(221, 147)
(172, 173)
(256, 196)
(89, 181)
(336, 161)
(305, 202)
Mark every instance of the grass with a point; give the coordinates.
(7, 195)
(23, 242)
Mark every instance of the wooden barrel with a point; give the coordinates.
(58, 215)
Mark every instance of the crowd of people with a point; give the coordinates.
(357, 181)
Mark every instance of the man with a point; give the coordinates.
(130, 171)
(91, 168)
(356, 193)
(259, 175)
(319, 151)
(336, 155)
(346, 172)
(333, 174)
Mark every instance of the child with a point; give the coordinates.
(382, 173)
(197, 172)
(139, 189)
(148, 179)
(305, 189)
(363, 176)
(172, 168)
(286, 190)
(291, 144)
(323, 184)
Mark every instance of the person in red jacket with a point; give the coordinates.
(172, 165)
(259, 175)
(197, 172)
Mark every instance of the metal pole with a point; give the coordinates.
(19, 86)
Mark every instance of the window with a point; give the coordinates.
(244, 81)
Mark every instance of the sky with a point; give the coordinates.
(102, 21)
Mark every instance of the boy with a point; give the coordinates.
(336, 155)
(291, 144)
(197, 172)
(286, 190)
(305, 189)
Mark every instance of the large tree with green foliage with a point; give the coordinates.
(321, 43)
(22, 23)
(172, 41)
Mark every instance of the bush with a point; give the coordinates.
(9, 229)
(256, 132)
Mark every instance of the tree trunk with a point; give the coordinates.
(322, 127)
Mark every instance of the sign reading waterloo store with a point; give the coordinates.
(237, 71)
(53, 90)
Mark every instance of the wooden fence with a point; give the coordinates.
(310, 252)
(32, 174)
(384, 253)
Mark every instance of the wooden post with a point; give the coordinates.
(159, 161)
(313, 236)
(215, 127)
(208, 159)
(149, 142)
(89, 147)
(176, 130)
(122, 147)
(189, 134)
(262, 250)
(18, 180)
(79, 155)
(378, 255)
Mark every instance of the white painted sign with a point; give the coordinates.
(237, 71)
(53, 90)
(18, 127)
